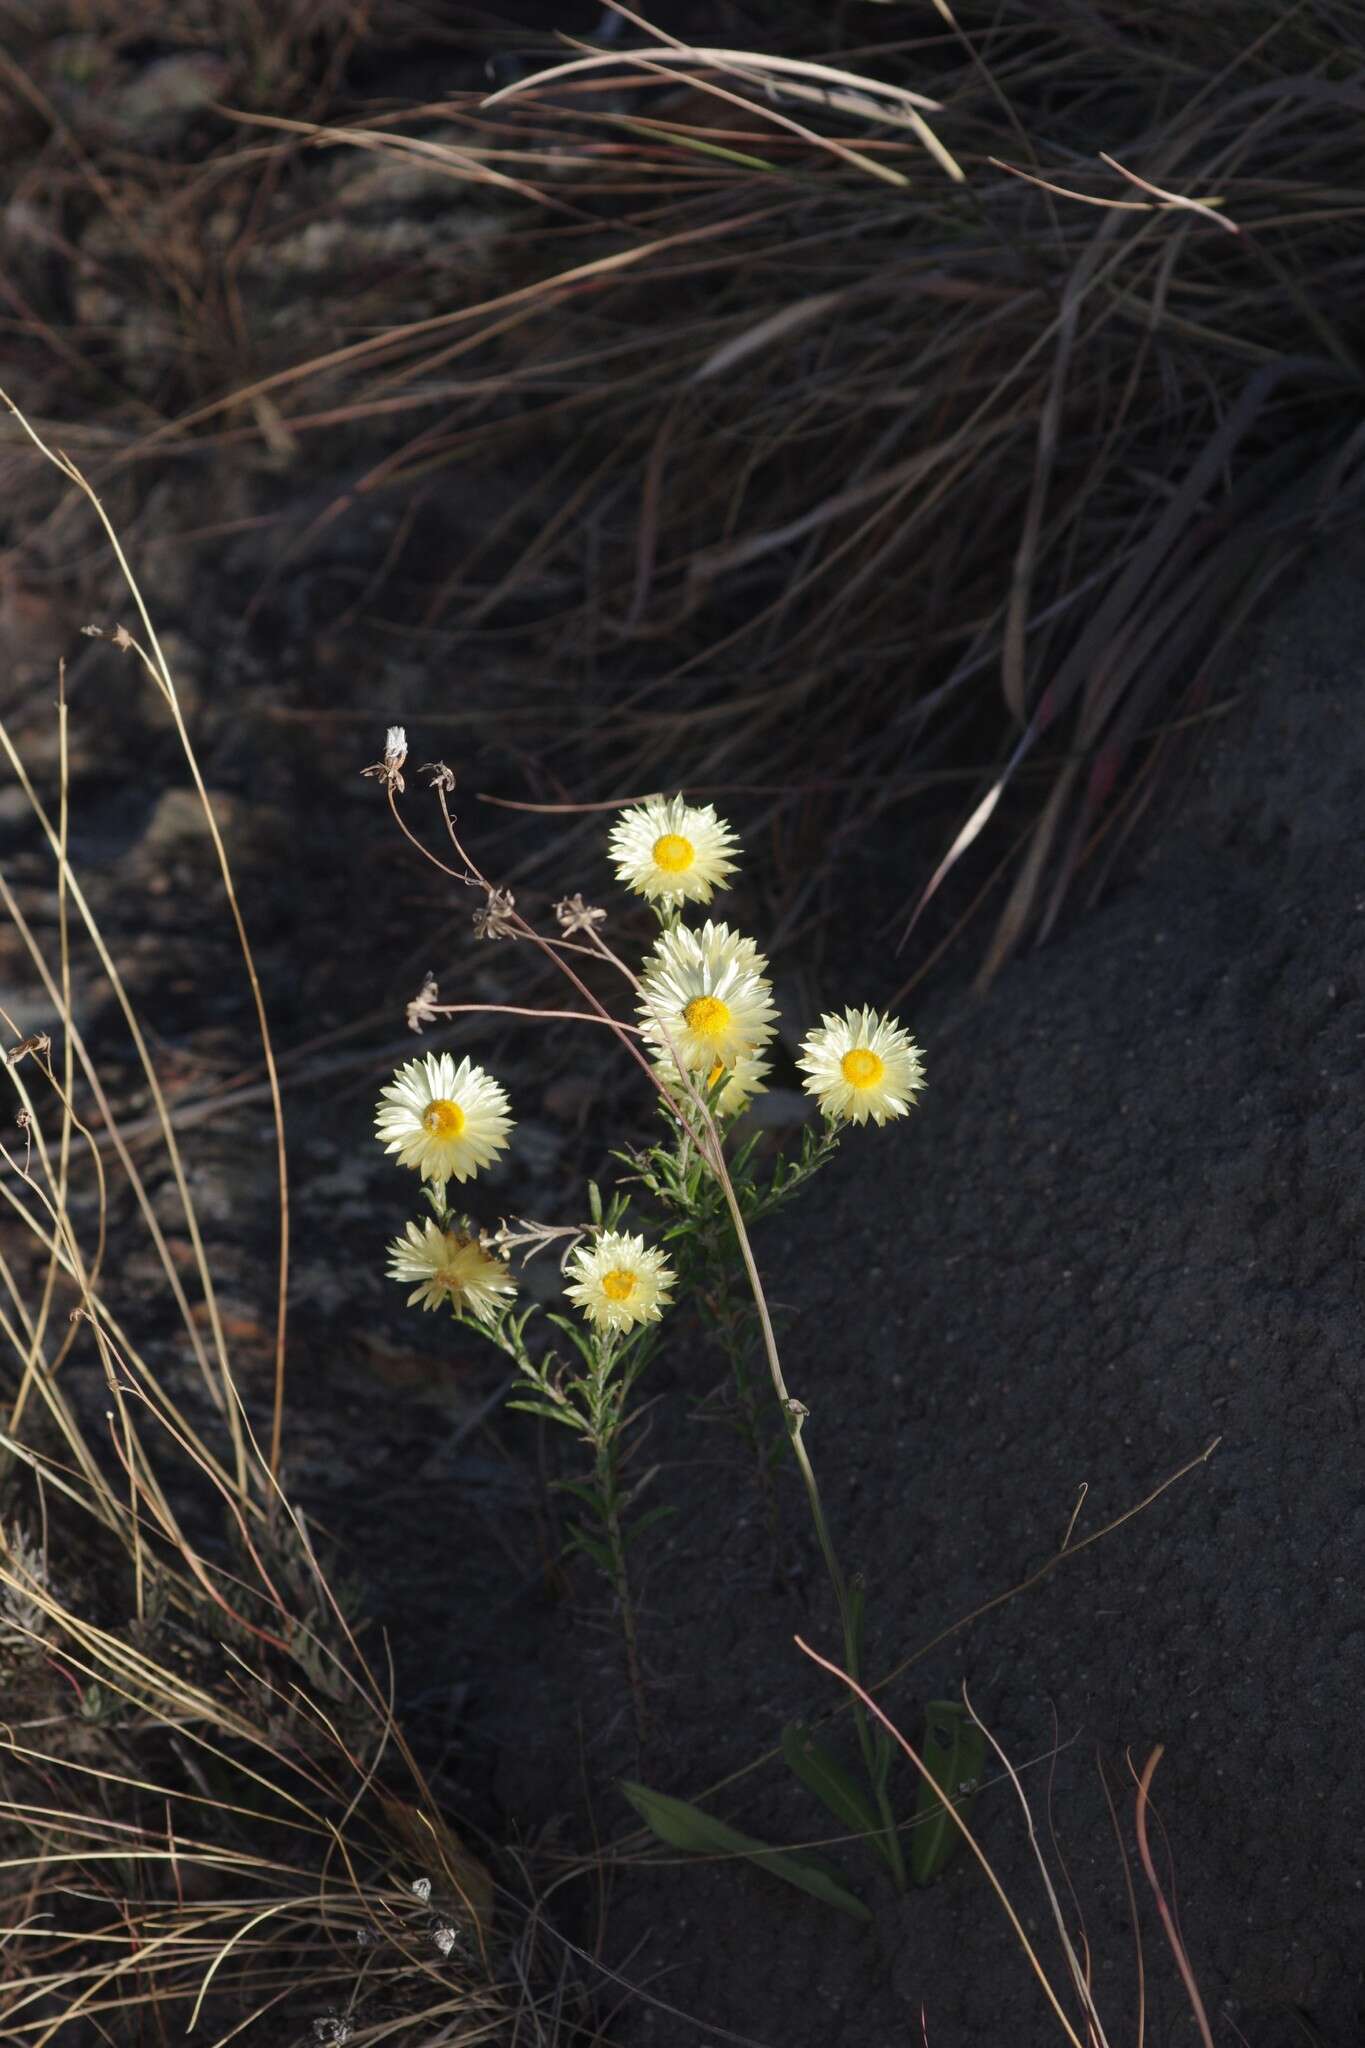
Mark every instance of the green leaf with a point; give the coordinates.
(577, 1336)
(659, 1514)
(883, 1751)
(550, 1414)
(954, 1750)
(857, 1618)
(683, 1826)
(821, 1773)
(582, 1493)
(599, 1552)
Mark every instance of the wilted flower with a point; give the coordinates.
(424, 1007)
(574, 915)
(449, 1266)
(390, 770)
(862, 1065)
(446, 1121)
(671, 849)
(617, 1282)
(705, 1000)
(495, 920)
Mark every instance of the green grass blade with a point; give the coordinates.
(684, 1826)
(954, 1751)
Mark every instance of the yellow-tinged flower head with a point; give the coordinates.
(618, 1282)
(747, 1078)
(674, 850)
(446, 1121)
(448, 1266)
(705, 999)
(862, 1065)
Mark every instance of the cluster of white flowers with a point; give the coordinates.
(707, 1017)
(707, 1005)
(446, 1122)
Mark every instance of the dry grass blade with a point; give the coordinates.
(784, 405)
(209, 1817)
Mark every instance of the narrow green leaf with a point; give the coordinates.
(550, 1414)
(954, 1750)
(857, 1618)
(883, 1751)
(821, 1773)
(659, 1514)
(579, 1539)
(582, 1493)
(683, 1826)
(576, 1335)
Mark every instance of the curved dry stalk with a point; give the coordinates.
(1168, 1921)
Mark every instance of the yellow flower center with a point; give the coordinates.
(443, 1119)
(619, 1284)
(707, 1016)
(861, 1068)
(673, 853)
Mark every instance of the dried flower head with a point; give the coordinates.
(448, 1265)
(572, 914)
(674, 850)
(862, 1065)
(389, 771)
(618, 1282)
(528, 1237)
(442, 778)
(425, 1005)
(444, 1120)
(705, 999)
(496, 919)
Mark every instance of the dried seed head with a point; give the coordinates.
(389, 771)
(423, 1007)
(441, 776)
(574, 915)
(494, 921)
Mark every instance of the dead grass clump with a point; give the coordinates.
(209, 1816)
(907, 423)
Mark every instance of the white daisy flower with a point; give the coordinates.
(861, 1065)
(617, 1282)
(448, 1266)
(671, 849)
(747, 1079)
(445, 1120)
(705, 999)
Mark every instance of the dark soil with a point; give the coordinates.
(1126, 1221)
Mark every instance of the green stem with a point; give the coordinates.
(794, 1413)
(606, 1420)
(733, 1334)
(605, 1480)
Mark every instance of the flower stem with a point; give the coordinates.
(620, 1582)
(794, 1414)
